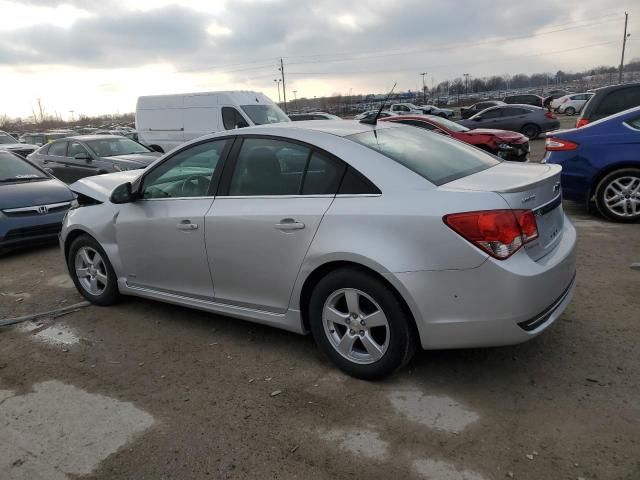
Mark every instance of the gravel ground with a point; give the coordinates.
(152, 391)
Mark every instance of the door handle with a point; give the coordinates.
(289, 224)
(187, 226)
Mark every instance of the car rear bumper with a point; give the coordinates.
(498, 303)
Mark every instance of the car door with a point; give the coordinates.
(270, 204)
(489, 119)
(161, 236)
(511, 118)
(54, 158)
(80, 163)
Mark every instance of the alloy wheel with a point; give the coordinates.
(356, 326)
(622, 196)
(91, 270)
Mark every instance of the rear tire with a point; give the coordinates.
(358, 322)
(618, 195)
(530, 130)
(570, 111)
(92, 272)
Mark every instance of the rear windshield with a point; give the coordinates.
(438, 159)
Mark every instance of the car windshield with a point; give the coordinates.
(14, 169)
(4, 138)
(262, 114)
(438, 159)
(449, 125)
(110, 147)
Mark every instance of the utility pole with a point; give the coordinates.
(278, 86)
(284, 87)
(295, 99)
(424, 89)
(466, 83)
(624, 44)
(72, 112)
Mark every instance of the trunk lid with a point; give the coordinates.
(525, 186)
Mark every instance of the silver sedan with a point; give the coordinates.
(376, 239)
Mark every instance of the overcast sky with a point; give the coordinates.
(98, 56)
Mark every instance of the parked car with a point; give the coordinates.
(9, 143)
(609, 100)
(32, 203)
(601, 164)
(404, 108)
(344, 229)
(466, 112)
(165, 121)
(551, 96)
(511, 146)
(372, 113)
(298, 117)
(73, 158)
(40, 139)
(526, 119)
(433, 110)
(524, 99)
(571, 104)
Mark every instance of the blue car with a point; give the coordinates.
(32, 203)
(601, 164)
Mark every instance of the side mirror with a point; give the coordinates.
(122, 194)
(155, 148)
(83, 156)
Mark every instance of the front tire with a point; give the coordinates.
(358, 322)
(618, 195)
(570, 111)
(92, 272)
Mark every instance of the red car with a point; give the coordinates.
(508, 145)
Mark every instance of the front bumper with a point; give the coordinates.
(495, 303)
(23, 231)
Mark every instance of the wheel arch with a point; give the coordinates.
(324, 269)
(606, 171)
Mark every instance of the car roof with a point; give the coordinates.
(341, 128)
(616, 87)
(84, 138)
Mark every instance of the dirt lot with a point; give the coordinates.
(145, 390)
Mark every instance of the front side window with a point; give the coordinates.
(232, 119)
(437, 159)
(264, 114)
(58, 149)
(186, 174)
(75, 148)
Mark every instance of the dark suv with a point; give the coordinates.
(609, 100)
(526, 99)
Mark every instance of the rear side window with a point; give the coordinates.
(354, 183)
(618, 101)
(437, 159)
(494, 113)
(322, 176)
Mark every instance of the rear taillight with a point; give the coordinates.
(553, 144)
(500, 233)
(549, 114)
(581, 122)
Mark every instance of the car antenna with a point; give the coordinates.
(374, 120)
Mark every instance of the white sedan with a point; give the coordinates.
(571, 104)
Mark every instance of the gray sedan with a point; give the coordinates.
(526, 119)
(342, 229)
(72, 158)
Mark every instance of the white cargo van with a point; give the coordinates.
(165, 121)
